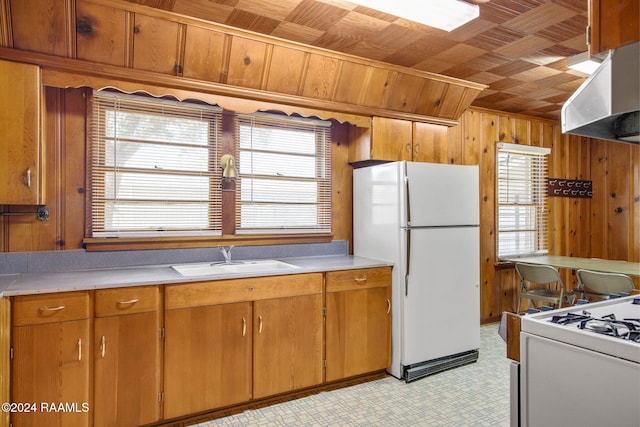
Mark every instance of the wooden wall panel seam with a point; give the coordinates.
(70, 27)
(128, 39)
(6, 38)
(268, 57)
(226, 58)
(180, 50)
(303, 74)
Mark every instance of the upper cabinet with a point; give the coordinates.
(20, 134)
(386, 140)
(613, 23)
(395, 139)
(151, 45)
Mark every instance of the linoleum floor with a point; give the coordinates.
(472, 395)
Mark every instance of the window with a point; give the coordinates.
(284, 166)
(522, 215)
(153, 167)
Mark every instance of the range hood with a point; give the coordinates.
(607, 105)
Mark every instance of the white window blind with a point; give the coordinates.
(153, 167)
(522, 211)
(284, 166)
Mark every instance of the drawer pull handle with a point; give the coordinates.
(388, 306)
(60, 307)
(79, 349)
(260, 324)
(131, 301)
(103, 346)
(360, 279)
(244, 327)
(28, 177)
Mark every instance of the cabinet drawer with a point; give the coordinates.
(363, 278)
(240, 290)
(49, 308)
(118, 301)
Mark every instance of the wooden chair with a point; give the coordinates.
(542, 283)
(599, 285)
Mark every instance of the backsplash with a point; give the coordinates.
(52, 261)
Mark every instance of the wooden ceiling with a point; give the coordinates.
(518, 48)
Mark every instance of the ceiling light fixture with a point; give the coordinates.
(444, 14)
(583, 63)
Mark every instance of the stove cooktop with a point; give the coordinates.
(618, 326)
(610, 327)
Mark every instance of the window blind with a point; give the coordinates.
(284, 166)
(521, 199)
(153, 167)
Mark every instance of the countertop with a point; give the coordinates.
(76, 280)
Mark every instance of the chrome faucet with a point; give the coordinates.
(226, 253)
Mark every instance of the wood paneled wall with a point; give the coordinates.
(605, 226)
(64, 153)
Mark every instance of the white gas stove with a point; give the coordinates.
(580, 365)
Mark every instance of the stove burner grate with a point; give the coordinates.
(570, 318)
(627, 329)
(608, 325)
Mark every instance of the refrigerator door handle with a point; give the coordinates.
(407, 201)
(406, 269)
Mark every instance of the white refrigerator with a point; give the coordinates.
(424, 218)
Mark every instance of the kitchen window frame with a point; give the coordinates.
(538, 158)
(227, 144)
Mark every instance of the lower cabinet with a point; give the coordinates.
(358, 322)
(235, 340)
(50, 360)
(287, 344)
(127, 356)
(207, 357)
(136, 355)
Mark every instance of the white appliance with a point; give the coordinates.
(580, 365)
(424, 218)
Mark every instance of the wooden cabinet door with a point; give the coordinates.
(101, 33)
(431, 144)
(613, 23)
(203, 54)
(287, 344)
(50, 367)
(207, 358)
(127, 351)
(391, 139)
(358, 335)
(20, 103)
(155, 45)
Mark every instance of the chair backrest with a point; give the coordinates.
(597, 282)
(541, 274)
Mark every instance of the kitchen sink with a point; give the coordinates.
(209, 269)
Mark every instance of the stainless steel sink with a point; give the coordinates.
(209, 269)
